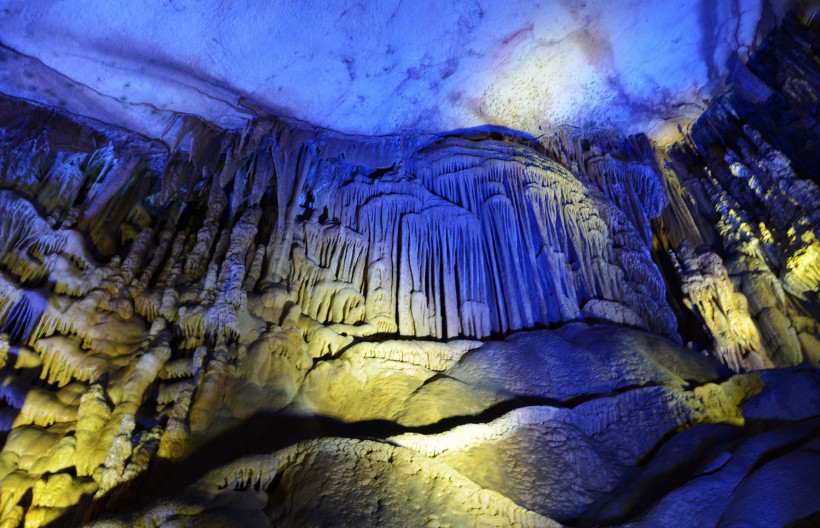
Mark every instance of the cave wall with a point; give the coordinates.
(155, 298)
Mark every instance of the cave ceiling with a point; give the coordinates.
(381, 67)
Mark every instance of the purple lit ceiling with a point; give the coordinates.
(380, 67)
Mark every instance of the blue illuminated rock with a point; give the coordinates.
(382, 68)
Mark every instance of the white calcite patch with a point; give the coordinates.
(380, 67)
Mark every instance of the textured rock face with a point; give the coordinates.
(285, 325)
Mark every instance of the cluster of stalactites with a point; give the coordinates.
(441, 240)
(766, 221)
(753, 219)
(625, 169)
(445, 236)
(134, 281)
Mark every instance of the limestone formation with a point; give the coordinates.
(764, 206)
(286, 325)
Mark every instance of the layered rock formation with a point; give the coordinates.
(288, 325)
(744, 231)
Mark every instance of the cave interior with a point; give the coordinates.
(381, 264)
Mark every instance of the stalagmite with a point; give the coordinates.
(724, 311)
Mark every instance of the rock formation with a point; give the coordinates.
(758, 189)
(286, 325)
